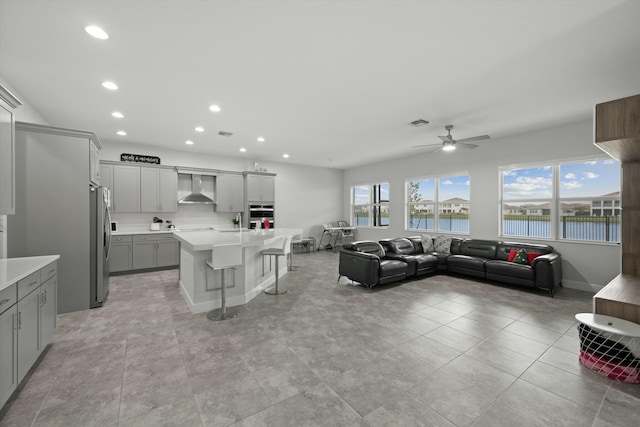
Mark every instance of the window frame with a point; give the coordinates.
(555, 201)
(375, 206)
(436, 202)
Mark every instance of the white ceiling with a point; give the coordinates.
(332, 83)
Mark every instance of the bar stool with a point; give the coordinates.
(277, 252)
(224, 257)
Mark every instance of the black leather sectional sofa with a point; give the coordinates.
(376, 263)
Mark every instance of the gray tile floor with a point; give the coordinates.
(437, 351)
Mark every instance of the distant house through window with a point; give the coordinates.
(370, 205)
(438, 204)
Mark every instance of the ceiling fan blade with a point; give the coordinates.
(425, 145)
(465, 145)
(474, 138)
(446, 138)
(436, 149)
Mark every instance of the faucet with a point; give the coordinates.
(239, 220)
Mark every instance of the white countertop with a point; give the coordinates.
(205, 240)
(14, 269)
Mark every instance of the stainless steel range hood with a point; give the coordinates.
(196, 196)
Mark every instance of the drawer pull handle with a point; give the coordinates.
(4, 301)
(35, 282)
(53, 270)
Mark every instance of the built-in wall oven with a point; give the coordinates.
(261, 215)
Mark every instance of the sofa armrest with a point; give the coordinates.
(547, 270)
(360, 267)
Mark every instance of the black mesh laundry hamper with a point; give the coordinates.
(610, 346)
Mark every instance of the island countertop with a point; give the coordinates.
(15, 269)
(205, 240)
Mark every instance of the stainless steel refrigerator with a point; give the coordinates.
(60, 211)
(100, 238)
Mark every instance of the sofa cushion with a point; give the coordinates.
(427, 244)
(521, 257)
(391, 271)
(442, 243)
(465, 262)
(509, 269)
(400, 246)
(479, 248)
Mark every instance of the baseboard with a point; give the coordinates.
(581, 286)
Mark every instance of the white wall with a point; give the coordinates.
(586, 266)
(306, 196)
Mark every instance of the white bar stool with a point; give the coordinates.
(277, 252)
(224, 257)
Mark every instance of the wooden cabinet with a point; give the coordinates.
(8, 103)
(125, 193)
(121, 255)
(154, 251)
(158, 190)
(229, 193)
(260, 187)
(617, 128)
(28, 340)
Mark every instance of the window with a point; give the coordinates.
(439, 204)
(370, 205)
(572, 201)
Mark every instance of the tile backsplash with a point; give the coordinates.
(186, 216)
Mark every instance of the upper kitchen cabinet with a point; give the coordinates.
(94, 163)
(230, 192)
(125, 194)
(106, 176)
(8, 103)
(617, 128)
(261, 187)
(158, 189)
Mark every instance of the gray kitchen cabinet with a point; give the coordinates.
(152, 251)
(158, 189)
(47, 311)
(28, 339)
(8, 352)
(121, 255)
(94, 164)
(28, 312)
(229, 193)
(261, 187)
(8, 103)
(125, 194)
(106, 176)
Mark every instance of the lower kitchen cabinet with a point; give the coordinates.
(28, 312)
(121, 255)
(8, 353)
(153, 251)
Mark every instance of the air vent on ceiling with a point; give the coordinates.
(223, 133)
(419, 122)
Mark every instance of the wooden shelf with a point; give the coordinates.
(617, 128)
(620, 298)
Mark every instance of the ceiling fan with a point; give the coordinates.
(450, 144)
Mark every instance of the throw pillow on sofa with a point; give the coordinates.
(521, 257)
(442, 244)
(532, 255)
(427, 244)
(512, 255)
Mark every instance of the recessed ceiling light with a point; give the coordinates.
(199, 129)
(121, 133)
(214, 108)
(260, 139)
(117, 114)
(285, 155)
(109, 85)
(243, 149)
(188, 142)
(96, 32)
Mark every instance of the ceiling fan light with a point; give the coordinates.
(448, 147)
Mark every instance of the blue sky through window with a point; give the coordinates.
(454, 187)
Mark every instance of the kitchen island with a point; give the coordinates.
(200, 286)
